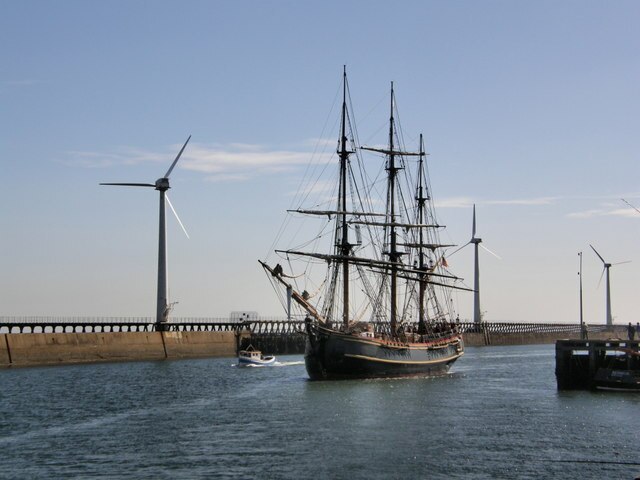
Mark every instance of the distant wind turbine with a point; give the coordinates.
(606, 268)
(477, 317)
(162, 185)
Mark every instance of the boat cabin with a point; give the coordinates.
(253, 354)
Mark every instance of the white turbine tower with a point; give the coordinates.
(605, 270)
(162, 185)
(477, 316)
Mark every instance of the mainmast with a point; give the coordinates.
(342, 204)
(421, 199)
(393, 247)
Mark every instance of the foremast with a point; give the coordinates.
(342, 256)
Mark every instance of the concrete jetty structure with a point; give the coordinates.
(29, 341)
(611, 364)
(69, 347)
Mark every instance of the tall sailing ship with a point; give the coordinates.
(381, 293)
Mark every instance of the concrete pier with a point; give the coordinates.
(29, 349)
(52, 340)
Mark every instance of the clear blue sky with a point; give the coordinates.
(530, 110)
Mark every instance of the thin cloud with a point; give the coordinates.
(322, 187)
(320, 143)
(605, 212)
(466, 202)
(227, 178)
(587, 213)
(235, 158)
(233, 162)
(454, 202)
(123, 156)
(524, 201)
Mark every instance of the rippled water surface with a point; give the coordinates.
(497, 415)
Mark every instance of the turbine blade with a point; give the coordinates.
(620, 263)
(473, 228)
(599, 256)
(458, 249)
(600, 279)
(176, 214)
(177, 158)
(131, 184)
(494, 254)
(630, 205)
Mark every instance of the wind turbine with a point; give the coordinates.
(607, 266)
(477, 317)
(162, 185)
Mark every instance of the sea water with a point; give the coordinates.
(498, 414)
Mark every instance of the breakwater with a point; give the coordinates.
(533, 333)
(53, 340)
(28, 349)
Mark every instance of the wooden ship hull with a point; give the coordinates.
(333, 355)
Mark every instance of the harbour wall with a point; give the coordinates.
(31, 342)
(29, 349)
(485, 338)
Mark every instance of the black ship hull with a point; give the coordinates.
(332, 355)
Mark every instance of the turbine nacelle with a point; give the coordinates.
(475, 240)
(162, 184)
(607, 265)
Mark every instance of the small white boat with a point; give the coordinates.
(251, 356)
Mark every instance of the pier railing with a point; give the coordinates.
(508, 327)
(259, 326)
(113, 324)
